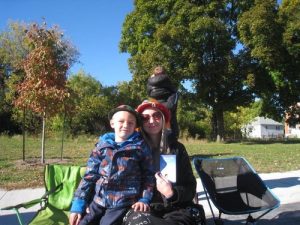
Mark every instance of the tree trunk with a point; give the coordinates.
(43, 139)
(62, 138)
(214, 126)
(220, 119)
(23, 131)
(218, 124)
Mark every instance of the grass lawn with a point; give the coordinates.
(16, 173)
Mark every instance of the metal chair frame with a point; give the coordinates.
(245, 169)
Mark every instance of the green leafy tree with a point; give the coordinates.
(126, 94)
(92, 101)
(91, 105)
(193, 119)
(272, 35)
(13, 50)
(193, 40)
(235, 120)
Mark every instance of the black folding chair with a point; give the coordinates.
(234, 188)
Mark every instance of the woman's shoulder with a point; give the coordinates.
(172, 140)
(177, 146)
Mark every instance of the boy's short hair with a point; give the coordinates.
(125, 108)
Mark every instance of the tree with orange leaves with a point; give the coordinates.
(43, 89)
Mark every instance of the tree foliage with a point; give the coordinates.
(231, 51)
(91, 106)
(193, 119)
(272, 35)
(193, 40)
(13, 50)
(15, 45)
(235, 120)
(43, 89)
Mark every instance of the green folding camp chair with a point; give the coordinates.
(60, 183)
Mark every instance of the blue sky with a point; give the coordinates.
(93, 26)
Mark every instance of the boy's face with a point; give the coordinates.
(124, 124)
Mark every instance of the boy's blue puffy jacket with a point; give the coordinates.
(117, 174)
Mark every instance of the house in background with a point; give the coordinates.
(264, 128)
(292, 131)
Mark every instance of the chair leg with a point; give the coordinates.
(218, 221)
(19, 216)
(250, 220)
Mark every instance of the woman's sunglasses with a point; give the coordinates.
(156, 116)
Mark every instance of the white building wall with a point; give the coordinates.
(255, 129)
(293, 132)
(272, 131)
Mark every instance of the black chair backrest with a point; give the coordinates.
(234, 186)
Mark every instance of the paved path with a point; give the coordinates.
(286, 186)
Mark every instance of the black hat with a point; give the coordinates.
(126, 108)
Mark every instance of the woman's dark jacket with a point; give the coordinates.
(185, 187)
(161, 88)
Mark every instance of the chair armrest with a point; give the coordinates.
(26, 205)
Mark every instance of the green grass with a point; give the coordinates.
(16, 173)
(265, 157)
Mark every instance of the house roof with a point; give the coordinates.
(265, 121)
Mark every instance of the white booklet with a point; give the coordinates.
(168, 167)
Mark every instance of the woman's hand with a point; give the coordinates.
(163, 185)
(74, 218)
(140, 206)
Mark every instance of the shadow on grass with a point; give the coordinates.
(265, 141)
(208, 155)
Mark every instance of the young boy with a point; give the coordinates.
(160, 87)
(119, 174)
